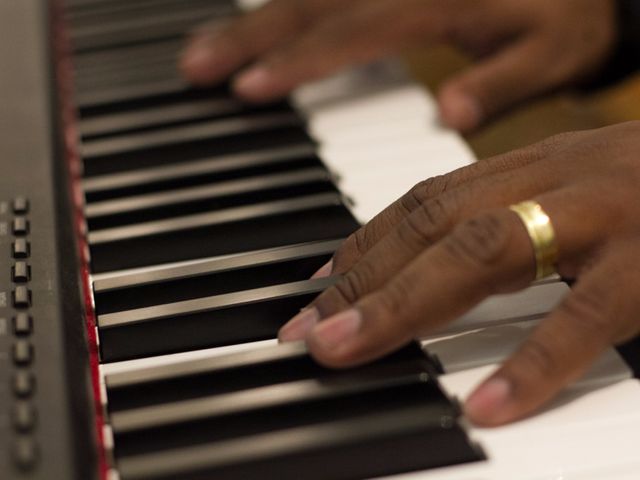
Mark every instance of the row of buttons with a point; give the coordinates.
(24, 415)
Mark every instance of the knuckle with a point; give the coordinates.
(556, 142)
(355, 283)
(424, 190)
(481, 241)
(428, 222)
(362, 240)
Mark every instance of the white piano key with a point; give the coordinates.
(250, 4)
(348, 84)
(527, 304)
(590, 429)
(375, 178)
(462, 353)
(404, 104)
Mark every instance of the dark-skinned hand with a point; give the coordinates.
(523, 48)
(452, 241)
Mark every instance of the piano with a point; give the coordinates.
(156, 237)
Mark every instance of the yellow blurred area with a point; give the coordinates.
(537, 119)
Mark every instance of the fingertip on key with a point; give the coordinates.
(256, 84)
(337, 331)
(459, 111)
(299, 326)
(486, 406)
(324, 271)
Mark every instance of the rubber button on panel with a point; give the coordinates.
(24, 383)
(24, 416)
(21, 297)
(25, 453)
(20, 226)
(21, 272)
(20, 205)
(22, 352)
(21, 248)
(22, 324)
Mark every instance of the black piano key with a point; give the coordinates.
(152, 74)
(265, 137)
(158, 116)
(211, 304)
(93, 79)
(178, 204)
(200, 172)
(178, 196)
(121, 59)
(308, 392)
(139, 97)
(181, 134)
(220, 217)
(270, 408)
(241, 371)
(211, 277)
(305, 225)
(364, 446)
(203, 323)
(114, 15)
(171, 115)
(93, 100)
(154, 25)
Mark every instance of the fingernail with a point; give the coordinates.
(324, 271)
(253, 81)
(487, 403)
(460, 111)
(338, 329)
(197, 55)
(298, 327)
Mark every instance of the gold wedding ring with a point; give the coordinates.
(542, 235)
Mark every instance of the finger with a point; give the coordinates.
(425, 226)
(488, 254)
(602, 310)
(492, 86)
(215, 52)
(342, 39)
(365, 238)
(480, 255)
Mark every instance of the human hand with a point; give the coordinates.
(451, 242)
(522, 48)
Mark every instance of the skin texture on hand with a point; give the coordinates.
(452, 241)
(522, 48)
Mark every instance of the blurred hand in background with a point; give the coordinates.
(522, 48)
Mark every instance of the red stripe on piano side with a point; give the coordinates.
(64, 74)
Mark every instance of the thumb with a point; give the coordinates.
(495, 84)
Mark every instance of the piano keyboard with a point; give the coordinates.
(202, 219)
(205, 218)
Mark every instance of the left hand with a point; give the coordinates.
(522, 48)
(451, 242)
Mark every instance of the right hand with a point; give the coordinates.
(523, 47)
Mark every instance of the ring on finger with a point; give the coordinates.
(542, 235)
